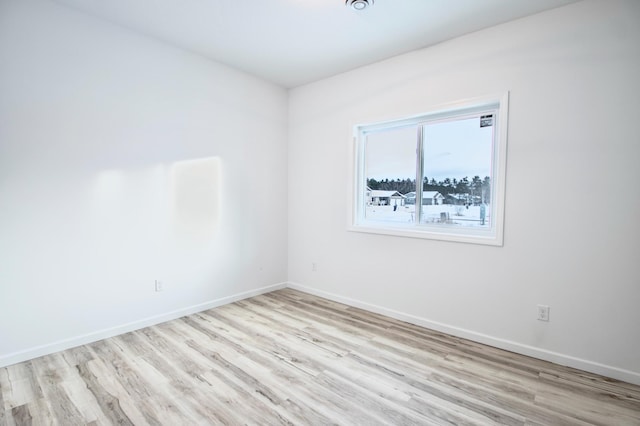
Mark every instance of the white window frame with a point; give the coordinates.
(497, 105)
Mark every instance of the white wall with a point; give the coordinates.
(122, 161)
(572, 235)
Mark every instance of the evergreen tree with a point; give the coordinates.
(486, 190)
(463, 186)
(476, 187)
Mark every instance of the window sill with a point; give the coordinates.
(440, 233)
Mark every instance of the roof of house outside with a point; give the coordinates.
(385, 194)
(425, 194)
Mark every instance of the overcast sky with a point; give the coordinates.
(453, 149)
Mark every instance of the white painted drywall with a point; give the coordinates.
(122, 161)
(572, 229)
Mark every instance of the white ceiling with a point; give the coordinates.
(292, 42)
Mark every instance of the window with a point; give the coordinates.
(440, 175)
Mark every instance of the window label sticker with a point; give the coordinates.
(486, 120)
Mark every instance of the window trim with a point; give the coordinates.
(455, 110)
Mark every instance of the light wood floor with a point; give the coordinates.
(290, 358)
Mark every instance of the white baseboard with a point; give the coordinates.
(49, 348)
(532, 351)
(555, 357)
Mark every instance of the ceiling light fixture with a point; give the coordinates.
(359, 4)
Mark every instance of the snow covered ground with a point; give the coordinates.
(446, 213)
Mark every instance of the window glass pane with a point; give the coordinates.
(390, 172)
(458, 154)
(457, 169)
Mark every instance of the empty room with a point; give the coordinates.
(310, 212)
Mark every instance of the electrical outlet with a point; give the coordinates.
(314, 266)
(159, 286)
(543, 312)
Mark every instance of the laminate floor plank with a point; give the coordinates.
(282, 336)
(41, 413)
(338, 316)
(150, 401)
(19, 385)
(77, 356)
(290, 358)
(521, 404)
(352, 326)
(604, 399)
(3, 415)
(401, 393)
(194, 361)
(298, 329)
(169, 366)
(280, 377)
(266, 341)
(400, 368)
(170, 394)
(117, 401)
(257, 399)
(53, 378)
(579, 379)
